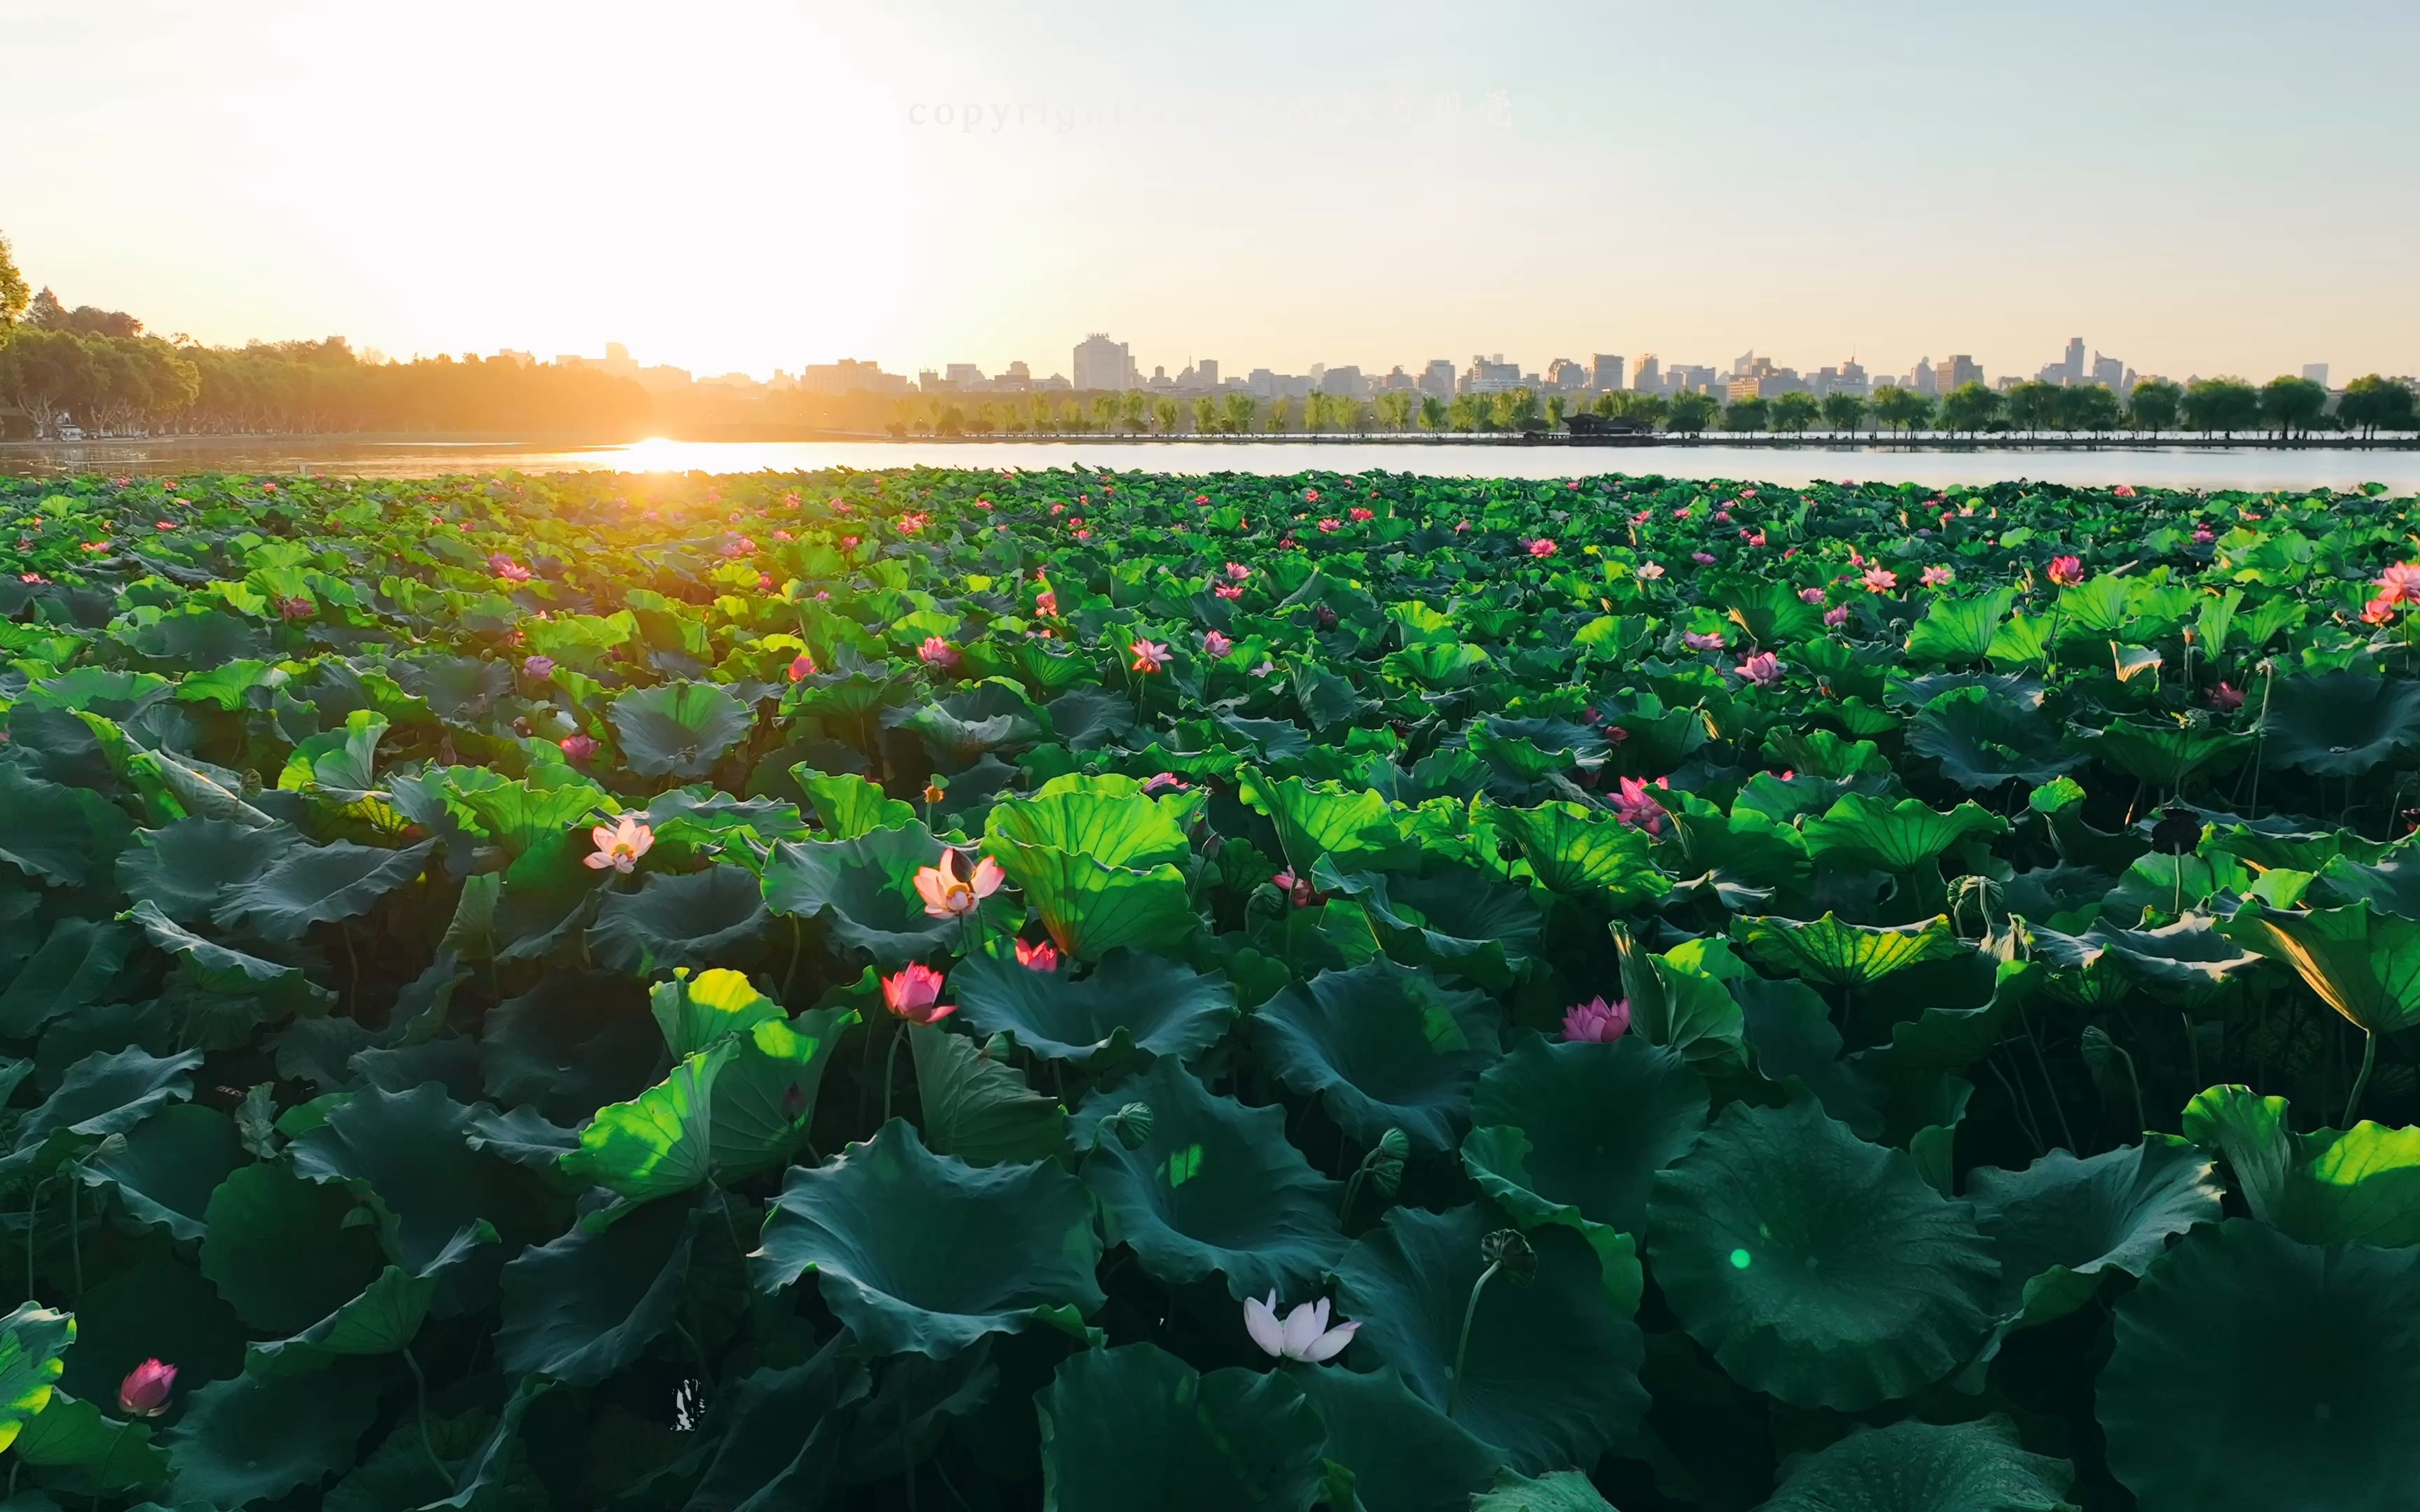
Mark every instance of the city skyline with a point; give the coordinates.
(932, 182)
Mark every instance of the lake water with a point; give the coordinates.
(2174, 467)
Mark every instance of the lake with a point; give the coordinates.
(2150, 465)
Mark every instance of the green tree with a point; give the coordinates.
(1104, 412)
(1237, 410)
(1690, 413)
(1345, 414)
(2154, 405)
(1647, 409)
(1842, 412)
(45, 373)
(2373, 404)
(2221, 404)
(1206, 415)
(1970, 408)
(1748, 416)
(1468, 413)
(1796, 412)
(2089, 407)
(1394, 409)
(2032, 405)
(1434, 416)
(1164, 413)
(1515, 410)
(1902, 410)
(13, 293)
(2292, 403)
(1134, 406)
(1315, 411)
(1274, 420)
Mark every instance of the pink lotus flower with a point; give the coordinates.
(163, 525)
(1311, 495)
(1542, 548)
(577, 749)
(1763, 669)
(1879, 579)
(1202, 498)
(1703, 559)
(1164, 782)
(1936, 577)
(802, 667)
(1047, 602)
(2124, 490)
(537, 668)
(1755, 538)
(1038, 957)
(1304, 1336)
(1330, 526)
(949, 893)
(1632, 806)
(2400, 584)
(144, 1393)
(739, 546)
(1722, 517)
(294, 608)
(2378, 612)
(936, 652)
(1834, 618)
(509, 570)
(1149, 657)
(2067, 571)
(1229, 591)
(1359, 513)
(1713, 641)
(764, 582)
(1649, 571)
(2203, 535)
(915, 994)
(1810, 596)
(620, 844)
(911, 524)
(1596, 1021)
(2226, 698)
(1238, 572)
(1216, 644)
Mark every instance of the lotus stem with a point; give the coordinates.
(2368, 1059)
(420, 1394)
(100, 1476)
(1461, 1346)
(890, 1068)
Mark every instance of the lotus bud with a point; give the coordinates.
(1508, 1250)
(1130, 1124)
(1386, 1161)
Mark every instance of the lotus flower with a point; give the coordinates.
(1701, 643)
(1164, 782)
(2067, 571)
(509, 570)
(936, 652)
(144, 1393)
(1542, 548)
(2203, 535)
(1149, 657)
(1216, 644)
(1238, 572)
(1937, 577)
(1046, 603)
(1649, 571)
(1360, 513)
(577, 749)
(802, 667)
(1879, 579)
(2378, 612)
(915, 994)
(949, 893)
(537, 668)
(1834, 618)
(1703, 559)
(620, 844)
(1763, 669)
(2124, 490)
(1810, 596)
(2226, 698)
(1596, 1021)
(1312, 495)
(1330, 526)
(911, 524)
(1304, 1336)
(1228, 590)
(1632, 806)
(1038, 957)
(2400, 584)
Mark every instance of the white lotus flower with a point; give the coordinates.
(1304, 1334)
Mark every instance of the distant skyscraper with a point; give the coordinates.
(963, 376)
(1436, 379)
(1953, 373)
(1605, 372)
(1491, 375)
(2069, 369)
(2109, 372)
(2316, 373)
(1103, 363)
(1563, 375)
(1205, 372)
(1651, 374)
(1346, 381)
(1924, 380)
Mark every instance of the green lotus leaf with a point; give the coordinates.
(979, 1109)
(519, 816)
(2190, 955)
(849, 806)
(1401, 1453)
(161, 1308)
(1090, 908)
(1564, 1490)
(570, 1045)
(187, 867)
(1354, 829)
(581, 1307)
(677, 729)
(1136, 1427)
(763, 1459)
(71, 1434)
(918, 1252)
(1383, 1046)
(690, 918)
(78, 965)
(2164, 755)
(1984, 742)
(2330, 1186)
(1817, 1268)
(2391, 885)
(33, 1348)
(244, 1441)
(445, 1462)
(1860, 833)
(2062, 1224)
(2293, 1363)
(1846, 955)
(406, 1156)
(1551, 1377)
(1676, 1005)
(384, 1320)
(1575, 1133)
(1958, 630)
(1769, 612)
(2363, 964)
(1577, 852)
(190, 786)
(59, 834)
(283, 1251)
(1215, 1189)
(1439, 666)
(165, 1168)
(1744, 846)
(318, 884)
(1456, 920)
(2339, 723)
(105, 1093)
(1924, 1467)
(1131, 999)
(696, 1012)
(343, 759)
(865, 890)
(1107, 819)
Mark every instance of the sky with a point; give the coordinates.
(2193, 186)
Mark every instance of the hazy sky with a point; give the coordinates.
(2200, 185)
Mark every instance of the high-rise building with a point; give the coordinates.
(2069, 369)
(1346, 381)
(1651, 374)
(1103, 363)
(1954, 373)
(1563, 375)
(849, 376)
(1436, 379)
(2109, 372)
(1205, 373)
(963, 376)
(1924, 380)
(1491, 375)
(2316, 373)
(1605, 372)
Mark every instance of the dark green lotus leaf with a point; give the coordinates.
(523, 1137)
(2339, 723)
(405, 1156)
(100, 1095)
(768, 1455)
(158, 1308)
(2062, 1224)
(2363, 964)
(677, 729)
(71, 1435)
(2190, 955)
(695, 1011)
(165, 1168)
(1818, 1268)
(691, 918)
(1455, 920)
(1552, 1374)
(581, 1307)
(1131, 999)
(572, 1044)
(1354, 829)
(1983, 742)
(2295, 1365)
(920, 1252)
(2164, 755)
(244, 1441)
(186, 868)
(33, 1347)
(59, 834)
(1582, 852)
(384, 1320)
(978, 1108)
(865, 890)
(217, 969)
(2330, 1186)
(1575, 1133)
(1563, 1490)
(1846, 955)
(283, 1252)
(477, 1455)
(1742, 847)
(344, 760)
(1136, 1427)
(1925, 1466)
(317, 884)
(2390, 886)
(1675, 1004)
(78, 965)
(1215, 1189)
(1860, 833)
(1399, 1452)
(1383, 1046)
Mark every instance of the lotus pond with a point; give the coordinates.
(952, 989)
